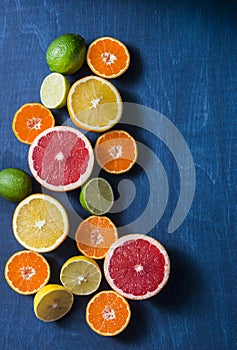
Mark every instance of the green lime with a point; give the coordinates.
(15, 184)
(97, 196)
(54, 90)
(66, 54)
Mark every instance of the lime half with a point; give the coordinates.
(97, 196)
(80, 275)
(52, 302)
(54, 90)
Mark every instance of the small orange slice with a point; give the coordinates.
(95, 235)
(108, 57)
(116, 151)
(26, 272)
(30, 120)
(108, 313)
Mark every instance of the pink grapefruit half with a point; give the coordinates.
(137, 266)
(61, 158)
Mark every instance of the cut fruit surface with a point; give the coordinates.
(94, 104)
(108, 57)
(95, 235)
(26, 272)
(40, 223)
(61, 158)
(137, 266)
(97, 196)
(52, 302)
(81, 275)
(54, 90)
(116, 151)
(30, 120)
(108, 313)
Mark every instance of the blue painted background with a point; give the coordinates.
(183, 64)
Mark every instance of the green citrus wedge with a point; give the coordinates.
(97, 196)
(54, 91)
(81, 275)
(52, 302)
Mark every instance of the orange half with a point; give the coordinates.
(108, 313)
(26, 272)
(30, 120)
(116, 151)
(95, 235)
(108, 57)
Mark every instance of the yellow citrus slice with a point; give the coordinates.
(26, 272)
(40, 223)
(52, 302)
(108, 57)
(108, 313)
(81, 275)
(94, 104)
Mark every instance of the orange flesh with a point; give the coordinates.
(108, 57)
(116, 151)
(27, 271)
(95, 235)
(30, 120)
(108, 313)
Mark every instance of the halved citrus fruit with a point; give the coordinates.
(30, 120)
(95, 235)
(137, 266)
(97, 196)
(61, 158)
(54, 90)
(108, 57)
(40, 223)
(81, 275)
(116, 151)
(26, 272)
(52, 302)
(94, 104)
(108, 313)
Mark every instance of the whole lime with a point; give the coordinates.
(66, 54)
(15, 184)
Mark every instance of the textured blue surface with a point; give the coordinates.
(183, 64)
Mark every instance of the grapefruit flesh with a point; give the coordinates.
(61, 158)
(137, 266)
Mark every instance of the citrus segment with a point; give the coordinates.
(26, 272)
(116, 151)
(108, 57)
(81, 275)
(108, 313)
(95, 235)
(94, 104)
(61, 158)
(40, 223)
(54, 90)
(137, 266)
(30, 120)
(97, 196)
(52, 302)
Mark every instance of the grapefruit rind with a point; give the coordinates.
(119, 243)
(95, 71)
(59, 206)
(83, 178)
(11, 285)
(104, 333)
